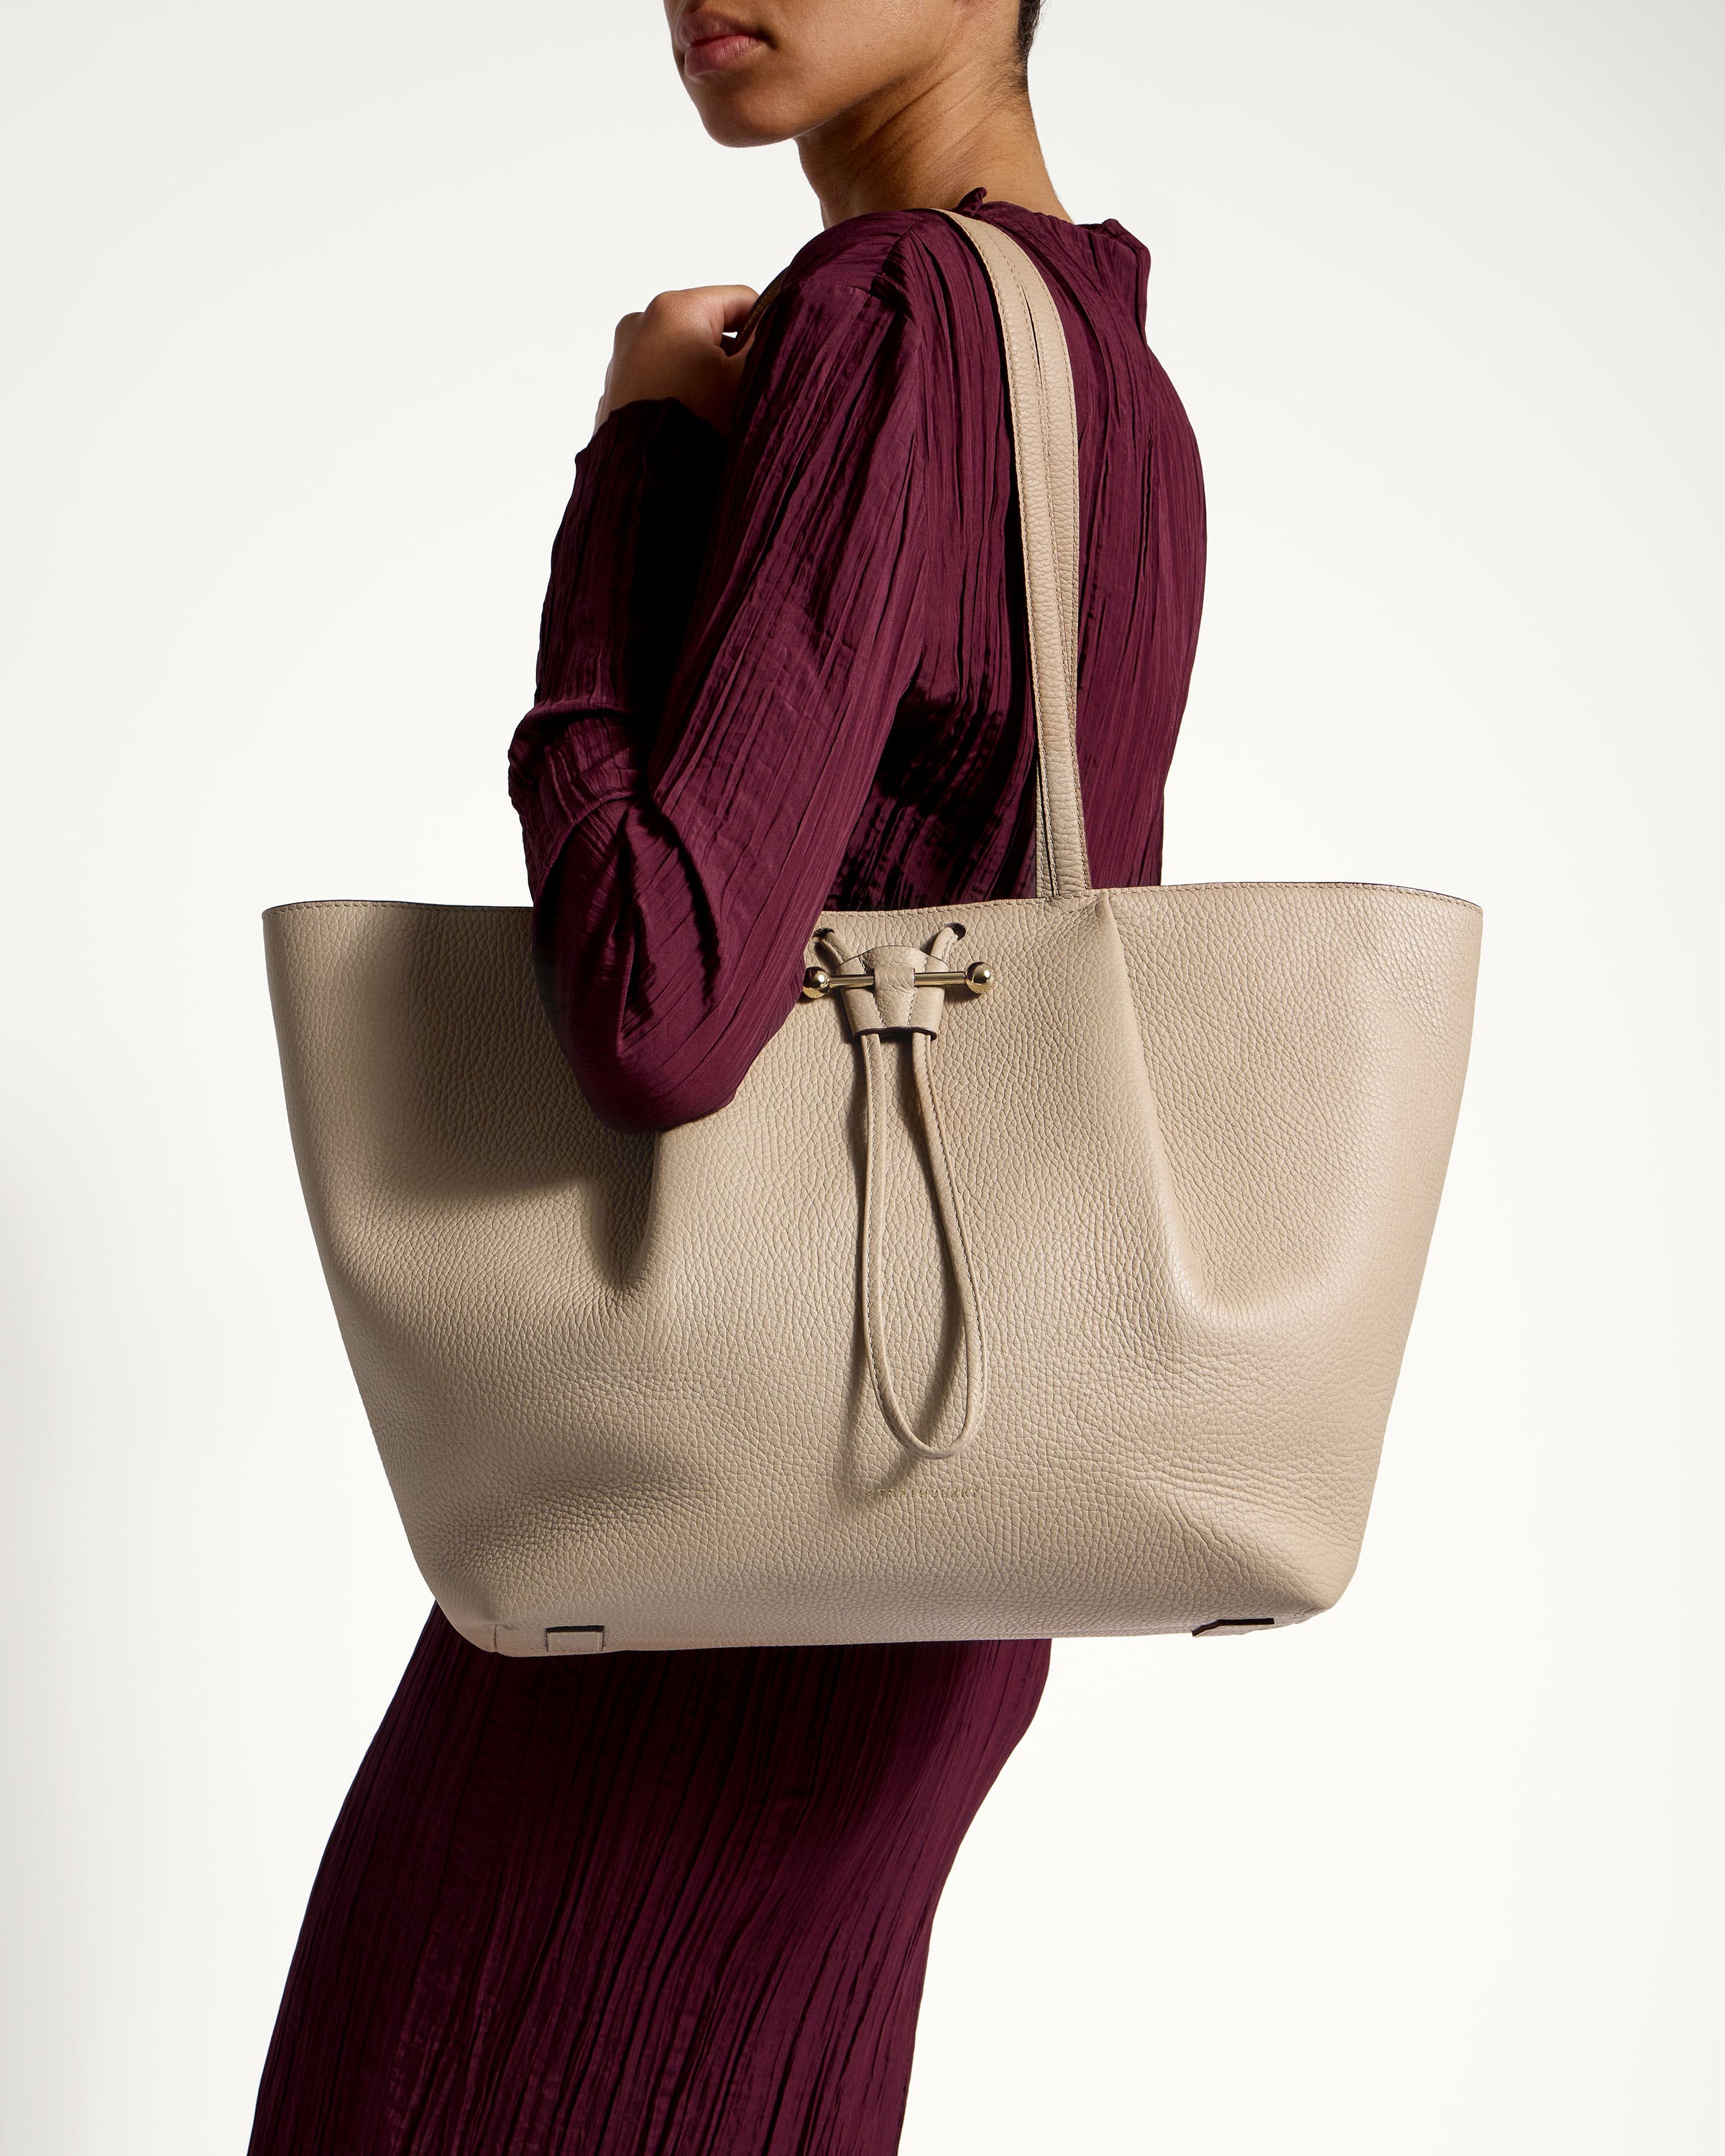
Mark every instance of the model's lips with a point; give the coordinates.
(712, 54)
(711, 42)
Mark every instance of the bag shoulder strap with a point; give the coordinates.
(1045, 447)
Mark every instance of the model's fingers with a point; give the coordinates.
(706, 312)
(736, 302)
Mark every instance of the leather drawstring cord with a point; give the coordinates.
(915, 1010)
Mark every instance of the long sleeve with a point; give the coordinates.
(679, 856)
(625, 563)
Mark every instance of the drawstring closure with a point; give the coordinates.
(903, 991)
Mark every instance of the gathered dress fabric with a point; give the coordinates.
(680, 1904)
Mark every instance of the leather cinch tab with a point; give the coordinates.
(895, 1004)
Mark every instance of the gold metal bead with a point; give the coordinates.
(978, 978)
(816, 981)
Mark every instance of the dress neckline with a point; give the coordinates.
(979, 203)
(979, 199)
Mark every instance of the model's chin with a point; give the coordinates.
(743, 108)
(741, 131)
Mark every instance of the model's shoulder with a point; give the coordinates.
(884, 252)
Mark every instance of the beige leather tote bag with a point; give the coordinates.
(1049, 1273)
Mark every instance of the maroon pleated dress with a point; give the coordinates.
(679, 1904)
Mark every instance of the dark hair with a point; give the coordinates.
(1029, 14)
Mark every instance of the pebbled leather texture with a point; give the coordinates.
(1075, 1307)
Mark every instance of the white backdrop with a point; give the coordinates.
(309, 308)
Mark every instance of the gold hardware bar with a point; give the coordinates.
(978, 978)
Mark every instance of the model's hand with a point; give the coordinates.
(673, 350)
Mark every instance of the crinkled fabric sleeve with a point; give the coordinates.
(677, 868)
(624, 569)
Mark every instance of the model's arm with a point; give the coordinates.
(681, 847)
(623, 571)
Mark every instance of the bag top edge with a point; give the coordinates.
(933, 906)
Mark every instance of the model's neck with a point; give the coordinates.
(925, 146)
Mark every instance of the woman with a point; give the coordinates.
(679, 1905)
